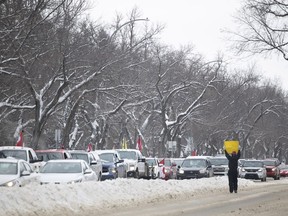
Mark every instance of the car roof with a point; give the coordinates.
(10, 160)
(132, 150)
(50, 150)
(65, 160)
(14, 147)
(198, 157)
(106, 151)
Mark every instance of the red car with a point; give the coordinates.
(284, 171)
(272, 168)
(168, 169)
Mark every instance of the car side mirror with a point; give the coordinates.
(88, 171)
(93, 162)
(25, 173)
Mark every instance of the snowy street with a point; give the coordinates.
(153, 196)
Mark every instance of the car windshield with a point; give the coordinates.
(269, 162)
(46, 156)
(20, 154)
(178, 161)
(61, 167)
(8, 168)
(80, 156)
(194, 163)
(219, 161)
(109, 157)
(151, 162)
(128, 155)
(253, 164)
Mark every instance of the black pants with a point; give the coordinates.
(233, 180)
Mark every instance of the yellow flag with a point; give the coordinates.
(124, 143)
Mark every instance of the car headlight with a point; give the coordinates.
(273, 169)
(260, 170)
(112, 170)
(132, 167)
(181, 171)
(202, 171)
(243, 170)
(10, 183)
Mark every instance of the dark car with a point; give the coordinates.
(112, 165)
(272, 168)
(195, 167)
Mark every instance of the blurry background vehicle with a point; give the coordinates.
(53, 154)
(66, 171)
(272, 168)
(178, 161)
(253, 169)
(136, 163)
(16, 172)
(195, 167)
(24, 153)
(168, 169)
(284, 171)
(153, 167)
(219, 165)
(90, 159)
(112, 165)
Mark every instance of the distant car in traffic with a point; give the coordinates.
(89, 157)
(53, 154)
(154, 168)
(284, 171)
(168, 168)
(219, 165)
(112, 165)
(16, 172)
(195, 167)
(253, 169)
(66, 172)
(272, 167)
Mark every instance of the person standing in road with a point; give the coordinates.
(233, 170)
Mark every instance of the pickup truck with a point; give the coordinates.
(136, 162)
(24, 153)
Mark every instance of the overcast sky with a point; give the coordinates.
(194, 22)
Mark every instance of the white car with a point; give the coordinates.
(253, 169)
(66, 171)
(16, 172)
(92, 159)
(154, 167)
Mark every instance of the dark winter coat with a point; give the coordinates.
(233, 161)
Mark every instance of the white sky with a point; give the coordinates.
(194, 22)
(73, 199)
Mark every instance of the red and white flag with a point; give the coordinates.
(139, 143)
(20, 139)
(89, 147)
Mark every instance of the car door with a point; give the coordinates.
(120, 166)
(27, 175)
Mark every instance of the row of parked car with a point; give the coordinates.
(21, 165)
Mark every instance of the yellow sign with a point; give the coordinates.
(231, 146)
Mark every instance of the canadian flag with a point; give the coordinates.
(20, 139)
(139, 143)
(89, 147)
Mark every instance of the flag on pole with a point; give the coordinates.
(124, 143)
(139, 143)
(89, 147)
(20, 139)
